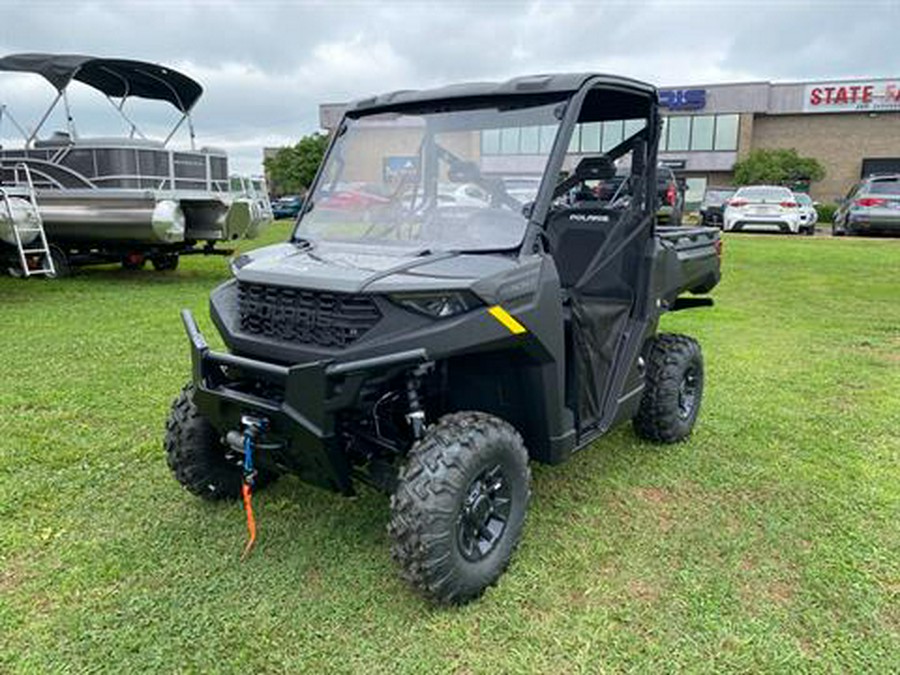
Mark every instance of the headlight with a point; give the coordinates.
(239, 262)
(439, 305)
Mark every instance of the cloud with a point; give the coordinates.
(266, 66)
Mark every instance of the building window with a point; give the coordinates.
(702, 132)
(529, 141)
(575, 142)
(699, 133)
(633, 126)
(590, 137)
(726, 132)
(490, 142)
(509, 141)
(612, 134)
(679, 133)
(548, 133)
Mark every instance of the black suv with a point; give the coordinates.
(713, 205)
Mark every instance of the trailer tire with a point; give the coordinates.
(198, 458)
(61, 266)
(459, 508)
(673, 389)
(165, 262)
(133, 262)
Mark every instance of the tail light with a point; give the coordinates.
(737, 202)
(789, 205)
(670, 195)
(870, 201)
(719, 245)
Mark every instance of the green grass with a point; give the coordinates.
(769, 541)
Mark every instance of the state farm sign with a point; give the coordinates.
(852, 96)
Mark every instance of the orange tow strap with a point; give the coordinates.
(253, 428)
(247, 493)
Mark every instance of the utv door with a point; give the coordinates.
(598, 246)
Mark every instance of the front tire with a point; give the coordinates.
(198, 458)
(673, 389)
(459, 508)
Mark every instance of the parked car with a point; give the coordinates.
(287, 207)
(468, 194)
(713, 205)
(671, 197)
(872, 206)
(433, 352)
(617, 189)
(764, 208)
(808, 214)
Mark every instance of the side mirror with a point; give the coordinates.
(815, 203)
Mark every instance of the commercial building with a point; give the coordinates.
(851, 126)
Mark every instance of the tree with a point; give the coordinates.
(777, 167)
(293, 168)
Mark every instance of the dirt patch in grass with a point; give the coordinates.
(12, 576)
(643, 590)
(659, 500)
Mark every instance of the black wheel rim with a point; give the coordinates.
(483, 514)
(687, 393)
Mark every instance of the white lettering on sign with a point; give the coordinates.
(852, 96)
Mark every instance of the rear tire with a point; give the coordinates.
(165, 262)
(459, 508)
(198, 458)
(673, 389)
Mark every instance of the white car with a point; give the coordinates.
(808, 214)
(467, 194)
(764, 208)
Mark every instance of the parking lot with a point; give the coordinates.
(768, 541)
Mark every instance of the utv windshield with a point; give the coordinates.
(454, 180)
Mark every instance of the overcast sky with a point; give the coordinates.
(265, 66)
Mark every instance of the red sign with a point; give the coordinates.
(852, 96)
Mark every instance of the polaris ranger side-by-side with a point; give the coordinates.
(430, 340)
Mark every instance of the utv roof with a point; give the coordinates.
(534, 85)
(113, 77)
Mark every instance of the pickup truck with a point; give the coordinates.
(431, 349)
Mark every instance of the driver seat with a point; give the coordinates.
(575, 233)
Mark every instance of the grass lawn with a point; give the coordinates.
(769, 541)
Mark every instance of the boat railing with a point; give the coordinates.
(111, 166)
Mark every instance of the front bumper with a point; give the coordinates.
(300, 403)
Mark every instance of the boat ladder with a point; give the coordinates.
(37, 247)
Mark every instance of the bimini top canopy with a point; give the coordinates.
(113, 77)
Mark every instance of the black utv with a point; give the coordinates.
(457, 299)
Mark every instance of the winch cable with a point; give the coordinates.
(253, 427)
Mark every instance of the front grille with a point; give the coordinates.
(302, 316)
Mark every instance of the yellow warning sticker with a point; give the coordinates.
(507, 320)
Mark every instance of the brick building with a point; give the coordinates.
(851, 126)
